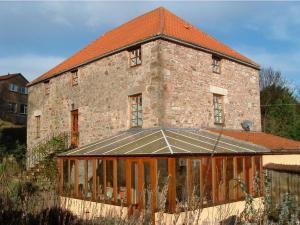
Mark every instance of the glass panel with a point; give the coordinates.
(121, 173)
(230, 182)
(80, 174)
(220, 184)
(89, 178)
(257, 178)
(206, 181)
(134, 183)
(100, 180)
(248, 168)
(240, 176)
(146, 184)
(109, 180)
(162, 174)
(72, 177)
(195, 177)
(181, 183)
(65, 177)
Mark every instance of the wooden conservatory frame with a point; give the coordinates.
(191, 179)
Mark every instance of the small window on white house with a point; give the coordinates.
(136, 111)
(23, 109)
(12, 107)
(218, 108)
(216, 64)
(47, 87)
(13, 87)
(135, 56)
(74, 78)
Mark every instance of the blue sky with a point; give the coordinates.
(35, 36)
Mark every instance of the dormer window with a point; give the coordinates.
(74, 77)
(135, 56)
(47, 87)
(216, 64)
(136, 110)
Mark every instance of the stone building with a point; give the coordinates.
(180, 72)
(13, 98)
(146, 98)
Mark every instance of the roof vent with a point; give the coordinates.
(246, 125)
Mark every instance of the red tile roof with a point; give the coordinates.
(259, 138)
(8, 76)
(159, 23)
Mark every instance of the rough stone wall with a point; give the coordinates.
(177, 84)
(189, 84)
(101, 97)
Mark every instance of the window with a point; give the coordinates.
(12, 107)
(23, 90)
(74, 78)
(109, 180)
(218, 109)
(13, 87)
(23, 109)
(47, 87)
(121, 173)
(181, 182)
(38, 126)
(196, 182)
(136, 111)
(220, 181)
(100, 179)
(135, 56)
(65, 177)
(230, 181)
(81, 178)
(206, 181)
(216, 64)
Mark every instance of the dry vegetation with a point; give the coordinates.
(30, 197)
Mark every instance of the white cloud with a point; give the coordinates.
(31, 66)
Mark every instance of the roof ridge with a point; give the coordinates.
(162, 20)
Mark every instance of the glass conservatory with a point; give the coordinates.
(183, 168)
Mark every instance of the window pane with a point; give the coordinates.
(257, 178)
(80, 174)
(109, 180)
(89, 178)
(240, 176)
(220, 184)
(207, 181)
(136, 111)
(195, 176)
(121, 173)
(162, 173)
(248, 168)
(134, 183)
(100, 180)
(65, 177)
(181, 183)
(230, 182)
(146, 184)
(72, 177)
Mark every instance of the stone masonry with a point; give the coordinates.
(177, 86)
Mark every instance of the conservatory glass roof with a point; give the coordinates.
(165, 141)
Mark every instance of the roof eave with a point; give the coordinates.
(146, 40)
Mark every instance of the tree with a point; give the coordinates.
(279, 106)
